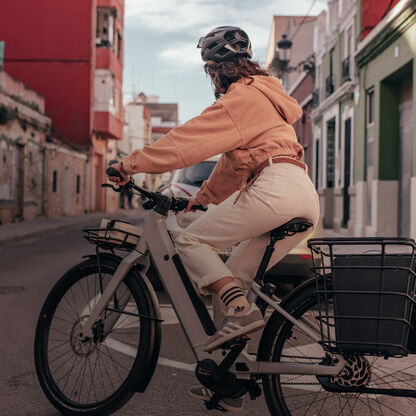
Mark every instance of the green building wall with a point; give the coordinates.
(381, 70)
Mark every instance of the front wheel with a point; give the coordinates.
(98, 376)
(304, 395)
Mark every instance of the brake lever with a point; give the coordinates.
(107, 185)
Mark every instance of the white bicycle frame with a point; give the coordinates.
(192, 314)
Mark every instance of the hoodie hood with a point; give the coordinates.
(272, 88)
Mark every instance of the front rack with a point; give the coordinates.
(366, 294)
(111, 238)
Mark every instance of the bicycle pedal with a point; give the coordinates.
(216, 407)
(236, 342)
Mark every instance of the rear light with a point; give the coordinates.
(305, 256)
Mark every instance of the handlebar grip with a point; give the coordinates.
(199, 207)
(112, 172)
(179, 204)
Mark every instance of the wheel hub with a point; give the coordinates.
(82, 347)
(356, 373)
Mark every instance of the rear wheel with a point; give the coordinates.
(304, 395)
(98, 376)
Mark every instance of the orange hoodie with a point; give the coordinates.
(249, 124)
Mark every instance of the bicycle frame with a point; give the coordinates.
(193, 316)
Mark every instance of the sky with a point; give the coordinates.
(161, 58)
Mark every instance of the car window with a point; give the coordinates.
(194, 175)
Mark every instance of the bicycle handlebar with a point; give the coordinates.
(160, 203)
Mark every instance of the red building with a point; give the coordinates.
(372, 11)
(71, 52)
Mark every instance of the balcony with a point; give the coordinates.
(329, 85)
(346, 70)
(315, 98)
(108, 125)
(105, 58)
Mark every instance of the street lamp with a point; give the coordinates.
(285, 46)
(283, 57)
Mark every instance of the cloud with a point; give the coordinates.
(191, 19)
(182, 56)
(197, 17)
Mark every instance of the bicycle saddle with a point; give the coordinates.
(294, 226)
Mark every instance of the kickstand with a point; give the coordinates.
(212, 404)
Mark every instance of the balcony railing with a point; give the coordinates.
(346, 70)
(329, 85)
(315, 98)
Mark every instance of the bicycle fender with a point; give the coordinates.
(276, 318)
(156, 335)
(139, 270)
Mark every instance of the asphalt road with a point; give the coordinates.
(27, 272)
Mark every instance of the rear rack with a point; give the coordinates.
(365, 299)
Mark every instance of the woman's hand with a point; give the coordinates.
(191, 203)
(124, 177)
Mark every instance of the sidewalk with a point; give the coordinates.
(10, 233)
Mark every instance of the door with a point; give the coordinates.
(347, 173)
(405, 155)
(67, 191)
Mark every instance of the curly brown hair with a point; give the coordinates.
(223, 74)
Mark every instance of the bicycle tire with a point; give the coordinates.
(294, 395)
(139, 360)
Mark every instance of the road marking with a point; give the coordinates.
(128, 350)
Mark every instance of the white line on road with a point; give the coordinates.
(128, 350)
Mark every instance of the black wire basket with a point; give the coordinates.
(366, 294)
(112, 235)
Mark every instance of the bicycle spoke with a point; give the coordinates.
(292, 345)
(87, 373)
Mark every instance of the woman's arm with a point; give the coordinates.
(206, 135)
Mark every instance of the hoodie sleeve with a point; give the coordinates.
(210, 133)
(222, 182)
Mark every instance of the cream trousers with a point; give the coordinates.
(281, 192)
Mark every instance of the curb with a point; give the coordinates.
(45, 229)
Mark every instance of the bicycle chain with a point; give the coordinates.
(300, 384)
(302, 357)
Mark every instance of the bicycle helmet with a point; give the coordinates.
(225, 43)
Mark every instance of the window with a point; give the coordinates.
(194, 175)
(78, 184)
(54, 181)
(370, 106)
(317, 164)
(318, 76)
(330, 154)
(105, 27)
(119, 44)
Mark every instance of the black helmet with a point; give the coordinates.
(225, 43)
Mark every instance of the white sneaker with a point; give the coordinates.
(235, 326)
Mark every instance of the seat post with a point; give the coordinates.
(261, 271)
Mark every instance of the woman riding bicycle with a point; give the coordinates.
(258, 184)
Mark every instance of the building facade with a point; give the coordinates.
(41, 175)
(333, 114)
(137, 132)
(164, 117)
(297, 75)
(385, 163)
(72, 54)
